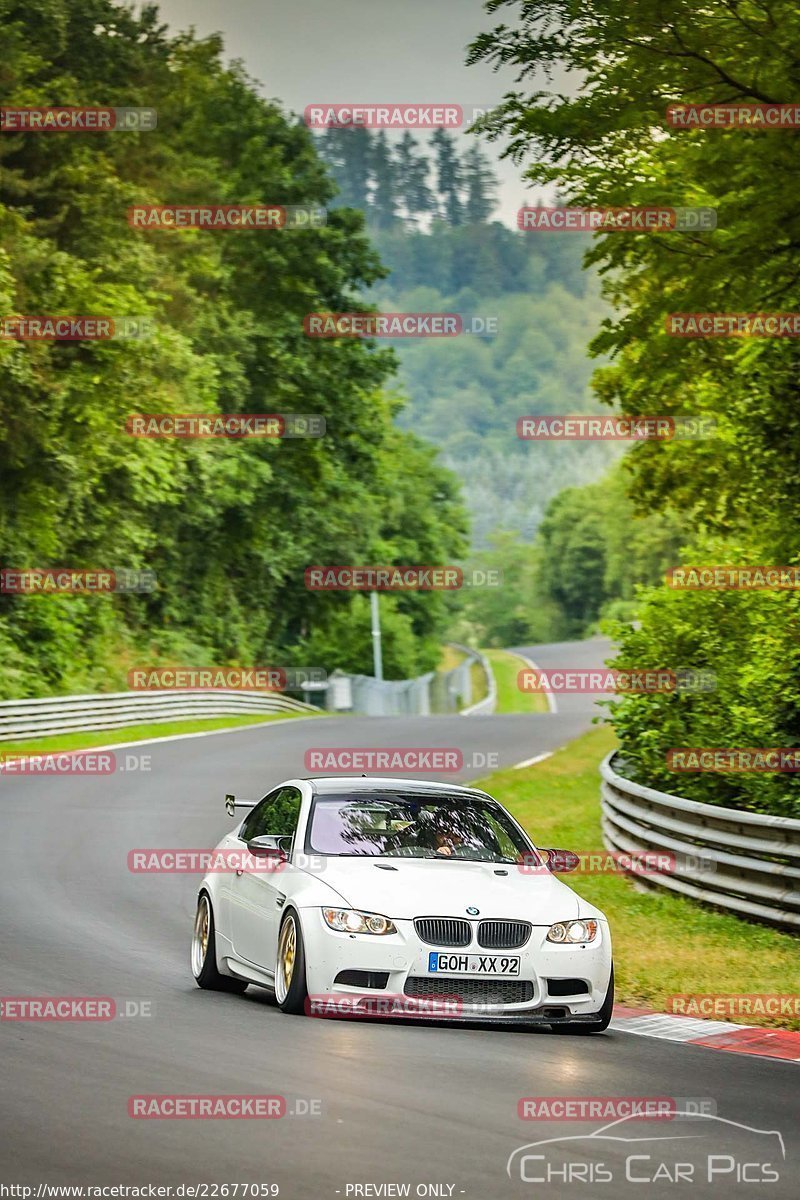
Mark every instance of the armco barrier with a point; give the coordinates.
(371, 697)
(112, 710)
(489, 702)
(437, 692)
(750, 861)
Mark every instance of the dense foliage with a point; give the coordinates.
(592, 554)
(228, 527)
(608, 143)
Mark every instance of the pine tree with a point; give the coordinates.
(347, 152)
(384, 198)
(448, 179)
(412, 170)
(481, 184)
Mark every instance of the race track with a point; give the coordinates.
(400, 1103)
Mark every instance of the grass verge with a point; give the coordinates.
(510, 699)
(663, 944)
(136, 733)
(479, 685)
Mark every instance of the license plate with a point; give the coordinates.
(472, 964)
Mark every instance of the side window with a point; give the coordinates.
(277, 814)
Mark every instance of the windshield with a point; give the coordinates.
(404, 826)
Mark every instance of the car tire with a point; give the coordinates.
(603, 1017)
(204, 953)
(291, 991)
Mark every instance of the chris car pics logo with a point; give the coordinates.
(699, 1148)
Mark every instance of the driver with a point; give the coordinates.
(438, 833)
(476, 836)
(447, 842)
(428, 830)
(433, 830)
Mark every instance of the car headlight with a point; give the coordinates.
(572, 932)
(350, 920)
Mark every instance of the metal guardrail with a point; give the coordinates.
(748, 863)
(437, 692)
(112, 710)
(489, 702)
(371, 697)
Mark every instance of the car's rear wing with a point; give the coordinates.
(231, 804)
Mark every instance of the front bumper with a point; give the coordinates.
(399, 964)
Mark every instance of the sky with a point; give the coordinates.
(404, 51)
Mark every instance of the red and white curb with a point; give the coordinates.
(711, 1035)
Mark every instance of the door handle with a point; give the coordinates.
(240, 872)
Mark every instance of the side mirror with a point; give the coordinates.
(231, 804)
(561, 862)
(267, 846)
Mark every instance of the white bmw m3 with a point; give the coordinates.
(365, 888)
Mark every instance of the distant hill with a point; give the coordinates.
(429, 221)
(465, 394)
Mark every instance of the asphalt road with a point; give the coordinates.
(588, 655)
(399, 1103)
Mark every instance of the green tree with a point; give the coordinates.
(449, 179)
(573, 559)
(598, 146)
(348, 152)
(413, 170)
(480, 183)
(228, 527)
(385, 197)
(738, 493)
(506, 608)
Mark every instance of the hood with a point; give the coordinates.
(430, 888)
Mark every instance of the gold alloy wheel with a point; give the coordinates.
(202, 925)
(287, 952)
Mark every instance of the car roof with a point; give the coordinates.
(374, 785)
